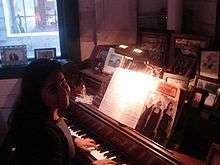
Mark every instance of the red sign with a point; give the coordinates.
(167, 89)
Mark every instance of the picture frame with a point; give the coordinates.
(15, 55)
(113, 61)
(186, 46)
(198, 97)
(98, 57)
(145, 67)
(163, 103)
(184, 65)
(127, 62)
(213, 156)
(45, 53)
(209, 64)
(155, 46)
(138, 66)
(210, 85)
(177, 80)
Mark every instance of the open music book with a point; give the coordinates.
(141, 102)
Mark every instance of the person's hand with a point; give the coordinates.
(103, 162)
(85, 144)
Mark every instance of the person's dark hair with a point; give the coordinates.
(29, 103)
(166, 109)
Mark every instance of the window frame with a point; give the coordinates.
(68, 33)
(7, 17)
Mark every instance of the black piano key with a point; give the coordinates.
(109, 154)
(119, 161)
(80, 133)
(103, 148)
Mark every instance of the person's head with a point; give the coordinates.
(73, 77)
(170, 106)
(43, 90)
(117, 62)
(158, 104)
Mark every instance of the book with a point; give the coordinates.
(142, 102)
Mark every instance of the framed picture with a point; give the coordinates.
(98, 57)
(211, 86)
(113, 61)
(177, 80)
(153, 70)
(209, 64)
(138, 66)
(185, 49)
(197, 97)
(184, 65)
(13, 55)
(155, 47)
(45, 53)
(145, 67)
(213, 157)
(157, 119)
(127, 62)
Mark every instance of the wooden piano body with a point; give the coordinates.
(133, 147)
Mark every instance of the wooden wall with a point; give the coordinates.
(8, 94)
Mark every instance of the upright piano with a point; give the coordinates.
(115, 140)
(118, 142)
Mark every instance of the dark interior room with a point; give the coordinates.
(127, 82)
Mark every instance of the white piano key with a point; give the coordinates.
(81, 136)
(113, 157)
(105, 152)
(97, 155)
(91, 148)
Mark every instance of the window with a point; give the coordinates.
(33, 23)
(31, 16)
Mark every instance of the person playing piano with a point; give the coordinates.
(37, 134)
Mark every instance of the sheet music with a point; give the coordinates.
(125, 96)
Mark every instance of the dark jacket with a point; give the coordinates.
(36, 143)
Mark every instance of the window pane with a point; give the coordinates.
(17, 7)
(18, 25)
(29, 7)
(43, 13)
(30, 24)
(33, 23)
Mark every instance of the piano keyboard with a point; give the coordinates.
(102, 151)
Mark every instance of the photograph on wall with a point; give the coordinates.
(155, 47)
(209, 65)
(13, 55)
(157, 120)
(189, 47)
(184, 65)
(45, 53)
(185, 50)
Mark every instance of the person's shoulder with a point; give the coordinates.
(52, 128)
(42, 128)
